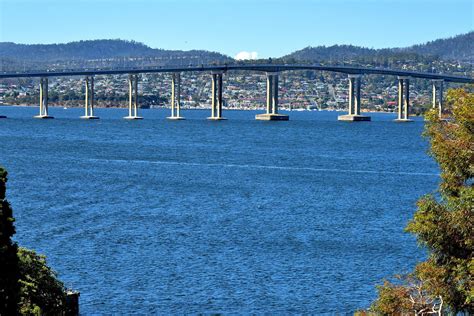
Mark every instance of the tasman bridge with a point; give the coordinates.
(272, 72)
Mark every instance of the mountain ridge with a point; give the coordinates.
(458, 48)
(98, 53)
(124, 53)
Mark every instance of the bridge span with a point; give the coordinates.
(217, 71)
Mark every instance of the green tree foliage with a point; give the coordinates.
(27, 285)
(452, 142)
(413, 293)
(9, 272)
(443, 224)
(41, 293)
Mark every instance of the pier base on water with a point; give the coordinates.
(215, 118)
(133, 118)
(272, 117)
(44, 117)
(175, 118)
(403, 120)
(89, 117)
(353, 118)
(3, 116)
(272, 101)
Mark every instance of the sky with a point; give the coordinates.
(243, 28)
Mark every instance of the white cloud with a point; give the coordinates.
(246, 55)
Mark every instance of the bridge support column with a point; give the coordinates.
(403, 100)
(438, 95)
(133, 98)
(217, 100)
(43, 106)
(272, 101)
(175, 97)
(89, 99)
(354, 102)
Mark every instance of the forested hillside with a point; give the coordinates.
(98, 54)
(458, 49)
(453, 55)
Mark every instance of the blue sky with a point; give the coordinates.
(271, 28)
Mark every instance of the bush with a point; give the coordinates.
(9, 272)
(443, 224)
(27, 285)
(40, 291)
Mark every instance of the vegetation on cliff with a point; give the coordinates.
(443, 223)
(27, 285)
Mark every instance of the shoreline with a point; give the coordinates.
(193, 108)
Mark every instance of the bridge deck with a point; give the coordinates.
(254, 67)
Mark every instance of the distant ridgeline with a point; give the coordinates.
(458, 49)
(443, 55)
(97, 54)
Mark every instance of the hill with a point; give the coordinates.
(98, 53)
(331, 53)
(459, 49)
(76, 50)
(439, 55)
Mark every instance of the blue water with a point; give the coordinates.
(238, 216)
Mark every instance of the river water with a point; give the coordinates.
(237, 216)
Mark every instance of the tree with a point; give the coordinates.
(27, 285)
(41, 293)
(444, 224)
(9, 271)
(412, 293)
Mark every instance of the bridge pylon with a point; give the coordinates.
(133, 98)
(354, 102)
(175, 97)
(272, 101)
(403, 100)
(438, 85)
(217, 100)
(43, 106)
(89, 99)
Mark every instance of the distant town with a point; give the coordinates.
(242, 91)
(299, 90)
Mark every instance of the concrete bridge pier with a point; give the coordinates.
(43, 106)
(272, 101)
(89, 99)
(133, 98)
(354, 101)
(438, 86)
(217, 100)
(403, 100)
(175, 97)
